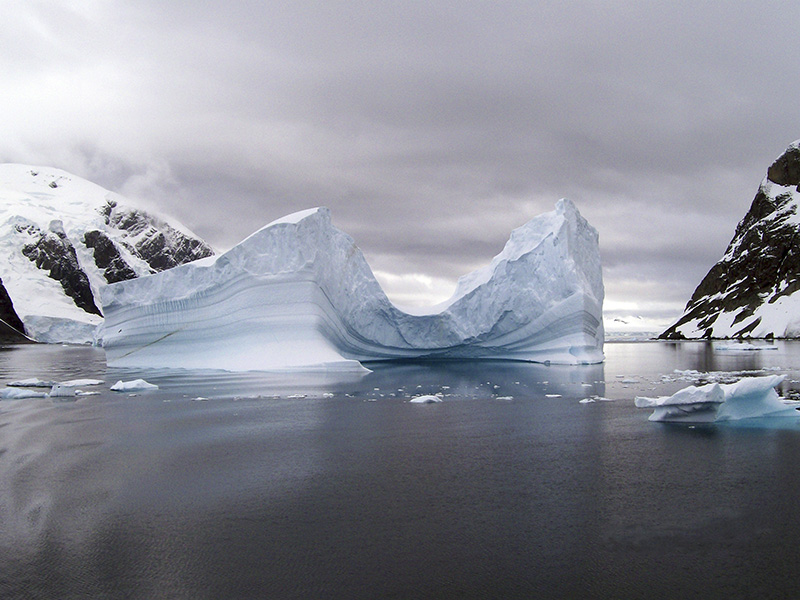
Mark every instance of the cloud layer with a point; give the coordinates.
(431, 129)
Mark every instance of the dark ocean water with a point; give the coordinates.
(256, 486)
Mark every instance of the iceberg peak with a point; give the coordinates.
(298, 293)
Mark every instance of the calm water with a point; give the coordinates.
(256, 486)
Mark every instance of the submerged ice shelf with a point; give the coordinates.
(299, 294)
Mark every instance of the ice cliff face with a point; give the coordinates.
(752, 290)
(299, 294)
(62, 238)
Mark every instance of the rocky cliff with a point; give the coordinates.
(63, 238)
(753, 290)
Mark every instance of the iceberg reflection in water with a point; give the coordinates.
(249, 485)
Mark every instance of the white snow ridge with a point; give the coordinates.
(298, 294)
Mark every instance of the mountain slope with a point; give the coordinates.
(63, 238)
(753, 290)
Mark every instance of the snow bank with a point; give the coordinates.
(749, 398)
(298, 294)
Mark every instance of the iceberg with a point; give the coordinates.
(748, 398)
(136, 385)
(17, 394)
(62, 391)
(32, 382)
(81, 382)
(299, 294)
(428, 399)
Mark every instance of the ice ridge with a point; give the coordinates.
(299, 294)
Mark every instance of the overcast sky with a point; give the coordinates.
(431, 129)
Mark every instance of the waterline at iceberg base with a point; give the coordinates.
(299, 294)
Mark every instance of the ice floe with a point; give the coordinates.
(136, 385)
(748, 398)
(426, 399)
(12, 393)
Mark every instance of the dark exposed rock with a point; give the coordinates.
(786, 169)
(761, 264)
(99, 242)
(156, 242)
(53, 252)
(107, 257)
(11, 327)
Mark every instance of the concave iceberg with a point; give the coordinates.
(299, 294)
(752, 397)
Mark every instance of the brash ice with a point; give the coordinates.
(299, 294)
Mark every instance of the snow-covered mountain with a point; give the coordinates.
(63, 238)
(754, 290)
(299, 294)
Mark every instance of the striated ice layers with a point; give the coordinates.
(746, 399)
(299, 294)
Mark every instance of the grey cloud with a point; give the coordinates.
(431, 129)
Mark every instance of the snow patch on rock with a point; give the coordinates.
(62, 238)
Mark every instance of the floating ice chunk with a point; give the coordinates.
(754, 397)
(742, 347)
(696, 404)
(60, 390)
(587, 400)
(299, 294)
(32, 382)
(82, 382)
(427, 399)
(136, 385)
(18, 393)
(748, 398)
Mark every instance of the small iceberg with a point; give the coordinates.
(137, 385)
(742, 347)
(61, 390)
(427, 399)
(32, 382)
(11, 393)
(82, 382)
(752, 397)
